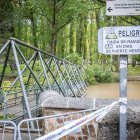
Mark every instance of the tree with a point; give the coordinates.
(59, 14)
(27, 10)
(6, 20)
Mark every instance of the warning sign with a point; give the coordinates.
(122, 7)
(119, 40)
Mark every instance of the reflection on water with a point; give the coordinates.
(111, 90)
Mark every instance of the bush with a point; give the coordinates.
(89, 75)
(100, 74)
(75, 58)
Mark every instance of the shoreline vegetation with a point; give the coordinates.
(92, 74)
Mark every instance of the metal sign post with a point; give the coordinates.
(120, 41)
(123, 96)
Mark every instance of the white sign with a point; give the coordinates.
(119, 40)
(122, 7)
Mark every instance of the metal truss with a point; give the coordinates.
(42, 71)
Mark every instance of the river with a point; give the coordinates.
(111, 90)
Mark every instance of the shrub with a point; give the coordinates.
(74, 57)
(89, 75)
(100, 74)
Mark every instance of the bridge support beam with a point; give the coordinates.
(21, 82)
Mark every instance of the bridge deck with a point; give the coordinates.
(17, 112)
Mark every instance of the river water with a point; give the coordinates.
(111, 90)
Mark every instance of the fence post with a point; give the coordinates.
(1, 97)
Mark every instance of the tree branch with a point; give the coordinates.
(101, 1)
(96, 8)
(136, 18)
(63, 25)
(62, 5)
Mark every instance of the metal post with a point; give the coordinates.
(1, 97)
(123, 96)
(29, 76)
(4, 66)
(62, 72)
(5, 107)
(37, 100)
(74, 80)
(67, 73)
(82, 79)
(23, 107)
(21, 82)
(79, 80)
(15, 95)
(23, 70)
(44, 70)
(60, 76)
(23, 58)
(53, 76)
(38, 77)
(4, 47)
(49, 63)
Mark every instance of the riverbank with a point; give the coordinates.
(108, 128)
(133, 78)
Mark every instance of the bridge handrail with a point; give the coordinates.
(37, 49)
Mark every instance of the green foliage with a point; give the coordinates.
(115, 77)
(89, 75)
(133, 70)
(8, 117)
(7, 71)
(75, 58)
(6, 20)
(72, 26)
(136, 58)
(100, 74)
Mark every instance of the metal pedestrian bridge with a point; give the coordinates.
(35, 74)
(20, 98)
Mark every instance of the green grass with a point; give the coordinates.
(133, 71)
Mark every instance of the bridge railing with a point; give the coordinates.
(50, 123)
(15, 98)
(41, 71)
(74, 125)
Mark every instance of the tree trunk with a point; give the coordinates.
(97, 20)
(73, 36)
(33, 30)
(53, 43)
(53, 32)
(79, 38)
(91, 38)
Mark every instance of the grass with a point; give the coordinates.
(134, 71)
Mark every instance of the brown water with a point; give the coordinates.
(111, 90)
